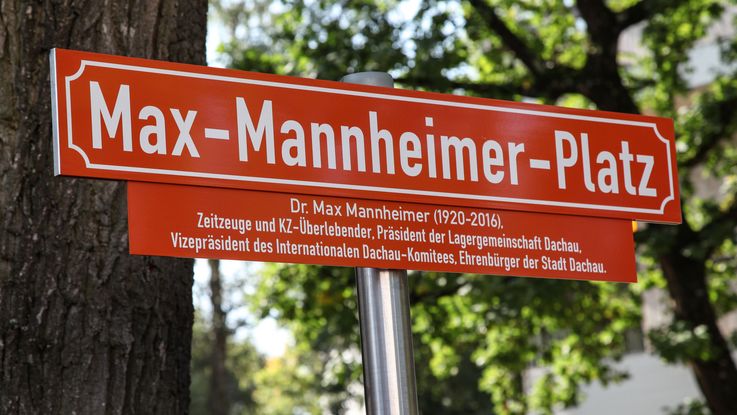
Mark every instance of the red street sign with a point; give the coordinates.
(201, 222)
(135, 119)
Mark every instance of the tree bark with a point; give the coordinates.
(218, 402)
(85, 327)
(686, 277)
(717, 377)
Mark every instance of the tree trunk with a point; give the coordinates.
(85, 328)
(687, 286)
(218, 398)
(717, 377)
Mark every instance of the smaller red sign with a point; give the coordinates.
(201, 222)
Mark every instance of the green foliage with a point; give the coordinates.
(323, 39)
(200, 371)
(668, 38)
(285, 386)
(477, 336)
(513, 325)
(722, 285)
(678, 343)
(690, 407)
(258, 385)
(242, 362)
(319, 305)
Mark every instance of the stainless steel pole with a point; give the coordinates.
(386, 328)
(386, 336)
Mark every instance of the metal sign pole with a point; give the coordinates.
(386, 328)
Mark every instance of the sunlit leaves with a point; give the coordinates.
(515, 325)
(689, 407)
(669, 36)
(722, 267)
(678, 342)
(476, 337)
